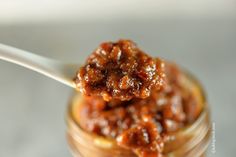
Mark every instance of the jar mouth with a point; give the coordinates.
(108, 143)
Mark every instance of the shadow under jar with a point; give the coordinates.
(190, 141)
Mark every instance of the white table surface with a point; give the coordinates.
(32, 107)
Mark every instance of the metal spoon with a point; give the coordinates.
(57, 70)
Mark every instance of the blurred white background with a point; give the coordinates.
(21, 11)
(198, 34)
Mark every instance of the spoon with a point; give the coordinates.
(57, 70)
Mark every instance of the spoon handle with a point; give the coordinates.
(51, 68)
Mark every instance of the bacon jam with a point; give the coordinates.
(120, 71)
(134, 98)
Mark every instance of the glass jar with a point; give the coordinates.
(190, 141)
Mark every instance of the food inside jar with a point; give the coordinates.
(134, 99)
